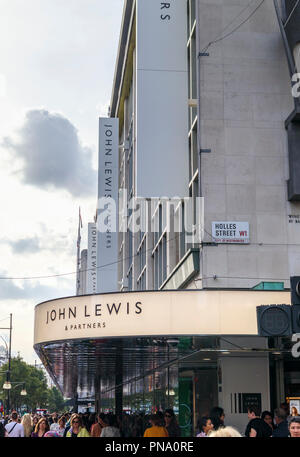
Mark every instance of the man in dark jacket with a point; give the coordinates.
(282, 429)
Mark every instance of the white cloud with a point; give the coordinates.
(59, 55)
(10, 290)
(25, 246)
(2, 86)
(52, 155)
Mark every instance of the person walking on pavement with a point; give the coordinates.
(225, 432)
(257, 427)
(77, 430)
(268, 418)
(217, 417)
(156, 430)
(294, 427)
(27, 424)
(13, 428)
(3, 432)
(98, 426)
(54, 426)
(204, 426)
(285, 407)
(41, 428)
(171, 424)
(61, 426)
(282, 429)
(111, 430)
(68, 424)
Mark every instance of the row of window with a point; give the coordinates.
(157, 262)
(194, 190)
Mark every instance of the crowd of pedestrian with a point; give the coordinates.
(260, 425)
(264, 424)
(89, 425)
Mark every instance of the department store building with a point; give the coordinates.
(205, 133)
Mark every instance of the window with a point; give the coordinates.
(179, 228)
(193, 152)
(192, 59)
(193, 121)
(159, 253)
(130, 161)
(129, 276)
(141, 281)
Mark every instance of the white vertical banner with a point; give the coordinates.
(107, 207)
(91, 274)
(162, 99)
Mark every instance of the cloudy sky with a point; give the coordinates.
(56, 71)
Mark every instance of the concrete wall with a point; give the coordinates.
(82, 273)
(242, 373)
(245, 98)
(161, 99)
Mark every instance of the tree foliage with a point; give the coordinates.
(38, 393)
(56, 401)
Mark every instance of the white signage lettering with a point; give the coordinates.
(107, 209)
(231, 232)
(91, 274)
(152, 313)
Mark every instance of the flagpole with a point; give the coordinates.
(78, 254)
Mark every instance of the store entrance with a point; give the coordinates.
(198, 394)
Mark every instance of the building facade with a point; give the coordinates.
(232, 153)
(240, 147)
(208, 206)
(82, 289)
